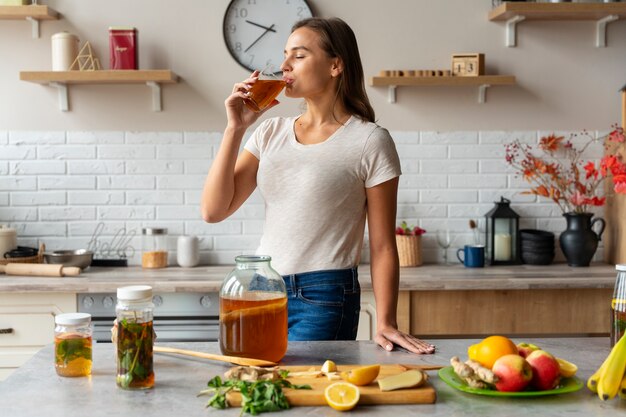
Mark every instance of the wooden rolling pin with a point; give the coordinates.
(222, 358)
(40, 270)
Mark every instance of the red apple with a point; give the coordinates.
(546, 370)
(524, 349)
(513, 373)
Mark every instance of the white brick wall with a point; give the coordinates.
(59, 187)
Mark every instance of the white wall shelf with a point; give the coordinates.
(514, 12)
(480, 81)
(33, 13)
(61, 80)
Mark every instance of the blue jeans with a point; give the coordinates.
(323, 305)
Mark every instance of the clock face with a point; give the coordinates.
(256, 31)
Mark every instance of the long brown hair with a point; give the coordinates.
(338, 41)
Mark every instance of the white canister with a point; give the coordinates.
(187, 254)
(64, 50)
(8, 240)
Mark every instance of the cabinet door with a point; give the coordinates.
(27, 324)
(367, 318)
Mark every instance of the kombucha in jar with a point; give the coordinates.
(253, 311)
(72, 344)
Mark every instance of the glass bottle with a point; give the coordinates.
(154, 247)
(72, 344)
(618, 305)
(135, 336)
(253, 310)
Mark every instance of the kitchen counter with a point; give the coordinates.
(36, 390)
(424, 278)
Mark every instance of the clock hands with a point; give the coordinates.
(261, 26)
(262, 34)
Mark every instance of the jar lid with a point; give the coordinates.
(72, 318)
(620, 267)
(153, 231)
(62, 35)
(134, 292)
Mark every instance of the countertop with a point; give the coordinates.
(36, 390)
(423, 278)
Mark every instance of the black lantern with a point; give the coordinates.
(502, 237)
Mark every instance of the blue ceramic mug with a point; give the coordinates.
(473, 256)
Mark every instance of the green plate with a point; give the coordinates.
(451, 378)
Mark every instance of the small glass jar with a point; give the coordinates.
(253, 310)
(154, 247)
(135, 337)
(72, 344)
(618, 305)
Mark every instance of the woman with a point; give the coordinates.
(321, 174)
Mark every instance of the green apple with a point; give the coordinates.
(524, 349)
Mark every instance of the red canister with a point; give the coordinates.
(123, 48)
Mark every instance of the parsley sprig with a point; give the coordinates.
(256, 397)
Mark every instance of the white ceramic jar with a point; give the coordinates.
(187, 254)
(8, 240)
(64, 50)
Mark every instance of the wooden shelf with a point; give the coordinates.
(61, 80)
(34, 13)
(481, 81)
(515, 12)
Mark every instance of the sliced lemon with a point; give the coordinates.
(361, 376)
(342, 396)
(566, 369)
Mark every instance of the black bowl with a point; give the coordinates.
(537, 246)
(536, 235)
(537, 258)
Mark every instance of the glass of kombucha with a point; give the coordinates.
(72, 344)
(264, 90)
(253, 310)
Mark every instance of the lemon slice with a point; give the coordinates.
(566, 369)
(361, 376)
(342, 396)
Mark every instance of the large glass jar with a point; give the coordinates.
(253, 310)
(135, 337)
(154, 247)
(618, 305)
(72, 344)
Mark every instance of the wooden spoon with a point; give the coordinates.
(222, 358)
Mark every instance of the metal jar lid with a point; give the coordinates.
(153, 231)
(72, 319)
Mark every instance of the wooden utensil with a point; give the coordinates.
(370, 394)
(34, 270)
(222, 358)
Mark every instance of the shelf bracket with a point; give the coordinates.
(63, 95)
(391, 94)
(34, 26)
(156, 95)
(482, 91)
(601, 29)
(511, 30)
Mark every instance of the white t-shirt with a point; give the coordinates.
(315, 201)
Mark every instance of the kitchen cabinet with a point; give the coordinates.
(33, 13)
(27, 324)
(514, 12)
(367, 317)
(61, 80)
(480, 81)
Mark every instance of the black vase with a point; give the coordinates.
(579, 242)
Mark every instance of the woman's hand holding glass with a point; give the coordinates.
(238, 113)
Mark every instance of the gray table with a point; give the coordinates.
(36, 390)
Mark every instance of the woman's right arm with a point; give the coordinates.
(232, 176)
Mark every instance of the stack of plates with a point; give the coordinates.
(537, 246)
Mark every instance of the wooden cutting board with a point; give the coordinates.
(370, 394)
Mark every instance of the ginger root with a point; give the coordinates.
(483, 373)
(479, 377)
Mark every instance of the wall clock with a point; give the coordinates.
(256, 31)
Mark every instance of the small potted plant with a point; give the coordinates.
(409, 242)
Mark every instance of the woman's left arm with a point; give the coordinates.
(385, 268)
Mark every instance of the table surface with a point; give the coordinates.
(36, 390)
(424, 278)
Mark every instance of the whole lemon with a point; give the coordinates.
(488, 350)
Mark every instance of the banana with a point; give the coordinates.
(592, 382)
(622, 388)
(613, 373)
